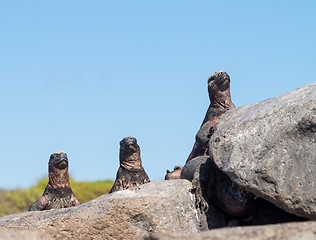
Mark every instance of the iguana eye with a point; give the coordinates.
(211, 78)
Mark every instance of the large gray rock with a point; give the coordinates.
(161, 206)
(17, 234)
(269, 149)
(292, 231)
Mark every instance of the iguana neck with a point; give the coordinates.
(58, 178)
(131, 162)
(221, 100)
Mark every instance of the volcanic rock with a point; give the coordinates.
(269, 149)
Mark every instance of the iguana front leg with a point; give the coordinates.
(199, 181)
(40, 204)
(74, 201)
(119, 183)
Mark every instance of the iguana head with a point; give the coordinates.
(58, 160)
(128, 145)
(219, 79)
(175, 174)
(130, 154)
(58, 170)
(219, 89)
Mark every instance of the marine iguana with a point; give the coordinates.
(212, 186)
(175, 174)
(58, 193)
(213, 189)
(220, 102)
(130, 173)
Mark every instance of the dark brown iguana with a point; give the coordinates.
(58, 193)
(210, 184)
(130, 173)
(220, 102)
(223, 201)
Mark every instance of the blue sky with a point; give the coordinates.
(79, 76)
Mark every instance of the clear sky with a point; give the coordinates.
(78, 76)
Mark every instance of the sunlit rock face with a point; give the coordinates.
(269, 149)
(161, 206)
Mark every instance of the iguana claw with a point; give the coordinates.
(202, 204)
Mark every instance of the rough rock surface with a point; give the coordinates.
(269, 149)
(292, 231)
(190, 167)
(161, 206)
(16, 234)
